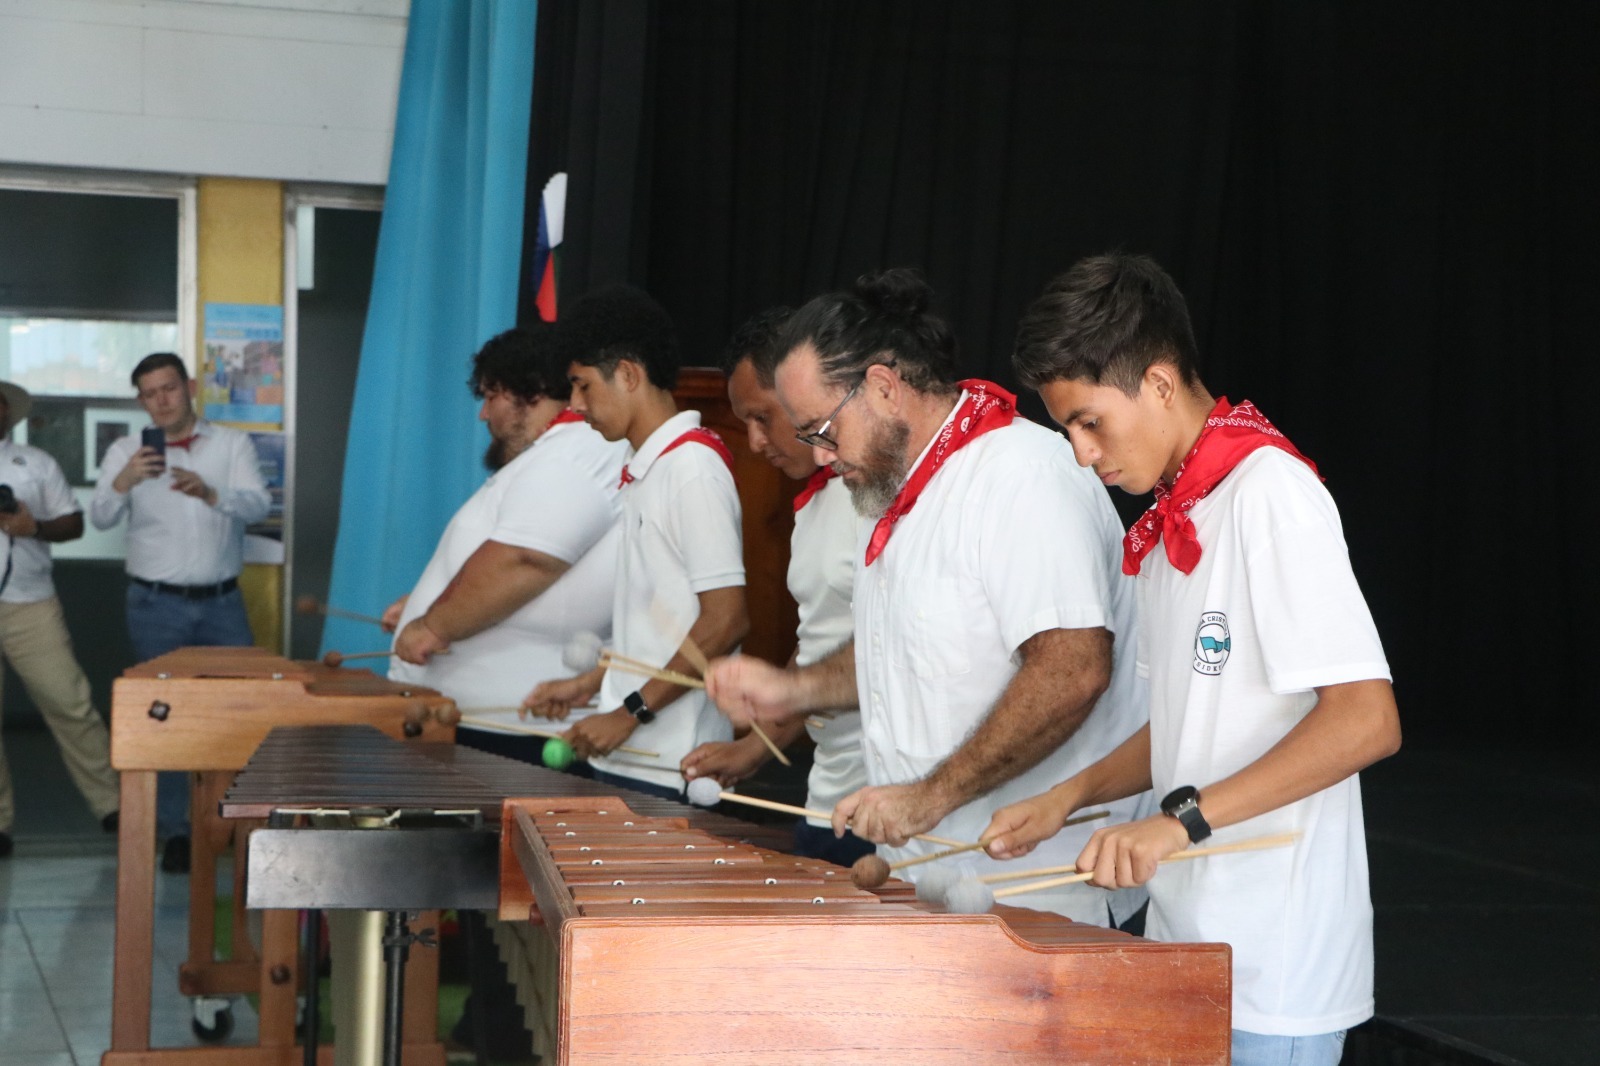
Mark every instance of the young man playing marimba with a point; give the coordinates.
(680, 566)
(822, 554)
(1269, 688)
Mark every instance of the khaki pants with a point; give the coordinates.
(34, 638)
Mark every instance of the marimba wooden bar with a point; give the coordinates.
(205, 711)
(673, 945)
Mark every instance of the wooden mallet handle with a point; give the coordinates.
(532, 731)
(807, 812)
(1253, 844)
(311, 605)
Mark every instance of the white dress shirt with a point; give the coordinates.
(172, 536)
(37, 482)
(680, 537)
(822, 573)
(1010, 538)
(558, 497)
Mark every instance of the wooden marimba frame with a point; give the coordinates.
(666, 944)
(204, 711)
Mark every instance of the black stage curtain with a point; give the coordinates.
(1383, 216)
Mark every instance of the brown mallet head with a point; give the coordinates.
(416, 714)
(869, 871)
(307, 604)
(333, 659)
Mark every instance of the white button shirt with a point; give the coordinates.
(680, 537)
(172, 536)
(1009, 539)
(558, 497)
(37, 482)
(822, 572)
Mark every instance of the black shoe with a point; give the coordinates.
(175, 856)
(111, 822)
(5, 845)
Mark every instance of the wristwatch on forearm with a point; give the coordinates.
(1183, 803)
(637, 707)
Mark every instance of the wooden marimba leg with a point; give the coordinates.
(134, 939)
(279, 966)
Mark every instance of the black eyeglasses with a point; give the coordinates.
(822, 436)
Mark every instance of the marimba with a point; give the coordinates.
(205, 711)
(667, 944)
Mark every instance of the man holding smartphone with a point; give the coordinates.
(188, 504)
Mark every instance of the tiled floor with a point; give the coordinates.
(57, 894)
(1485, 880)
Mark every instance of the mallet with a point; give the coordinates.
(974, 896)
(871, 871)
(705, 792)
(309, 604)
(477, 719)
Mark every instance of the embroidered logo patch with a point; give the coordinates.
(1212, 643)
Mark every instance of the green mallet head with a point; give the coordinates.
(558, 754)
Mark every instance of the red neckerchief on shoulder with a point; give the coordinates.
(986, 406)
(567, 415)
(1231, 433)
(693, 435)
(185, 442)
(819, 477)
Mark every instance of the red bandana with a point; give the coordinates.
(185, 442)
(820, 477)
(567, 415)
(695, 435)
(1230, 434)
(986, 406)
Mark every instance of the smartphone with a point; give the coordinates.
(155, 437)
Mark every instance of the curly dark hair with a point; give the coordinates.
(758, 340)
(1106, 321)
(883, 316)
(619, 322)
(526, 362)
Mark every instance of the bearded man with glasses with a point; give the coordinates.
(993, 628)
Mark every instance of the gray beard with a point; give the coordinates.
(882, 472)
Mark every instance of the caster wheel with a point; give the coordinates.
(212, 1025)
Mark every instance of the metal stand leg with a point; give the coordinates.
(311, 958)
(397, 941)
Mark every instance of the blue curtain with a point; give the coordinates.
(445, 281)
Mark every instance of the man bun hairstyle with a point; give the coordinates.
(1106, 321)
(883, 316)
(617, 322)
(155, 361)
(524, 361)
(759, 340)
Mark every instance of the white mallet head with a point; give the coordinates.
(582, 652)
(969, 896)
(705, 792)
(935, 885)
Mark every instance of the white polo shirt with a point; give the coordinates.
(37, 482)
(822, 573)
(172, 536)
(1009, 539)
(680, 537)
(558, 497)
(1233, 652)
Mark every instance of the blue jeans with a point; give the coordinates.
(159, 622)
(1257, 1049)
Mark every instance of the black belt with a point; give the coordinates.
(190, 592)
